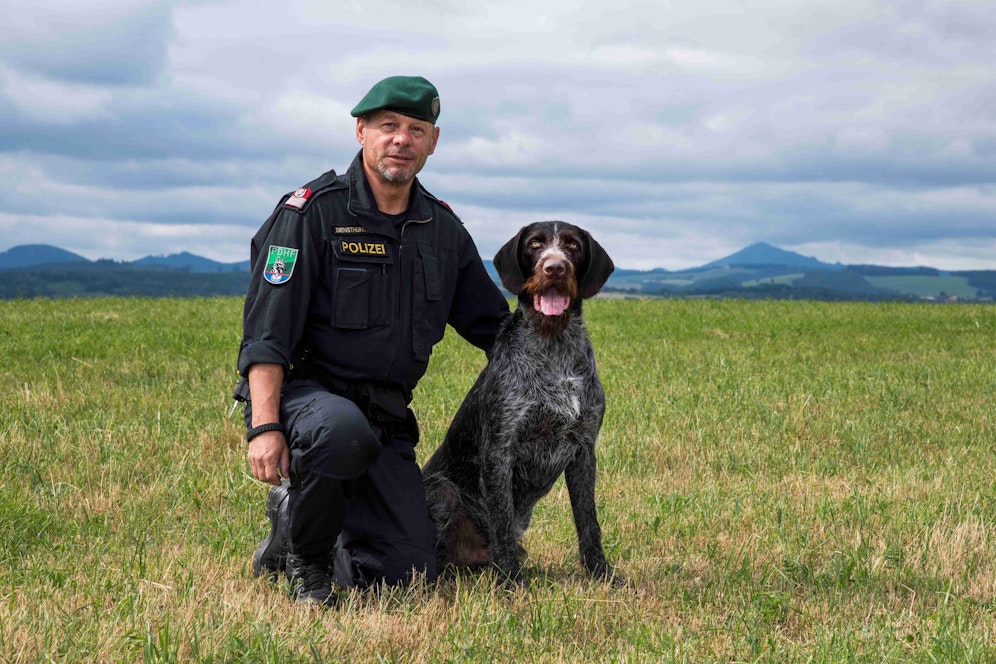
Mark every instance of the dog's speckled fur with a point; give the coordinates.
(534, 412)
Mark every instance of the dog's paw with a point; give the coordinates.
(616, 578)
(608, 573)
(510, 580)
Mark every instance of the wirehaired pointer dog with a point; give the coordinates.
(534, 412)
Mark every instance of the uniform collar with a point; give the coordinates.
(362, 202)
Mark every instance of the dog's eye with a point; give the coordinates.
(535, 244)
(573, 246)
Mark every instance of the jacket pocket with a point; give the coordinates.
(361, 284)
(429, 314)
(351, 298)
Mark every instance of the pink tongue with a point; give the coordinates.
(551, 303)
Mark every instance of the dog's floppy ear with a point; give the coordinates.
(598, 267)
(507, 264)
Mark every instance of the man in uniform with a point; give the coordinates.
(354, 279)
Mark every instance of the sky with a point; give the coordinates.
(675, 132)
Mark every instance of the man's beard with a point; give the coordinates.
(399, 176)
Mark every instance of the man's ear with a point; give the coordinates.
(435, 139)
(507, 264)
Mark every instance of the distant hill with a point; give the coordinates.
(191, 263)
(47, 271)
(28, 255)
(43, 255)
(762, 253)
(763, 271)
(107, 278)
(758, 271)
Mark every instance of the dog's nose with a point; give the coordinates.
(554, 268)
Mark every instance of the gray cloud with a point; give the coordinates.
(676, 133)
(93, 42)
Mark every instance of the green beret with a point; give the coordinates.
(409, 95)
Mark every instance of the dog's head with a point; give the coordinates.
(552, 266)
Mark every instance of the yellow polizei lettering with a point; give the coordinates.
(367, 248)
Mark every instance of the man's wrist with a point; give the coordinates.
(263, 428)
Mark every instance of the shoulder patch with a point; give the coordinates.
(280, 264)
(299, 198)
(304, 196)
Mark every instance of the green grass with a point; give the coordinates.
(779, 481)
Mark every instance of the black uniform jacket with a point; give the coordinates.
(362, 296)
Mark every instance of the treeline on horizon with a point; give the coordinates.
(106, 278)
(118, 280)
(845, 285)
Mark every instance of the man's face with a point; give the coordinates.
(395, 146)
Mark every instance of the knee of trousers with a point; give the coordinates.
(335, 440)
(393, 564)
(410, 561)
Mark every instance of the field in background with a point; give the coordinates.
(779, 481)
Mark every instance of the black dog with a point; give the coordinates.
(534, 412)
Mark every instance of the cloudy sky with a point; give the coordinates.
(677, 132)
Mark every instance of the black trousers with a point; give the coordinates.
(356, 491)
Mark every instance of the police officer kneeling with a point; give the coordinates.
(354, 279)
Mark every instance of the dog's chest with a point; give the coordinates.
(546, 378)
(555, 392)
(547, 438)
(549, 389)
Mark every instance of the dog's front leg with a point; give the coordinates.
(580, 479)
(496, 485)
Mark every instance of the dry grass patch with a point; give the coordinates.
(777, 482)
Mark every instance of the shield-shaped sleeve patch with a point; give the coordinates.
(280, 264)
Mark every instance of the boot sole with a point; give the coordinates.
(330, 601)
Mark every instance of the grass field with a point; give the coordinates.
(779, 482)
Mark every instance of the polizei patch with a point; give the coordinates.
(280, 265)
(351, 248)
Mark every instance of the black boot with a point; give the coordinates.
(310, 581)
(271, 554)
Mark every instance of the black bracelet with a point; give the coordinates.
(263, 428)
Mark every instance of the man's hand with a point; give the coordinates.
(269, 457)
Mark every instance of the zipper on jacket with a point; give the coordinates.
(401, 280)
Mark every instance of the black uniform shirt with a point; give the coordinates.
(366, 297)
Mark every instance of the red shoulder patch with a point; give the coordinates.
(299, 198)
(446, 205)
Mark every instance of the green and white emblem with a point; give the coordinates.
(280, 264)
